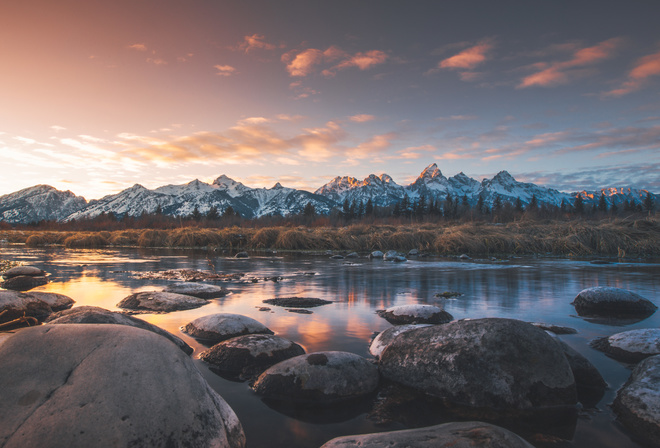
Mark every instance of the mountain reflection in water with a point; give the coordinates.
(530, 289)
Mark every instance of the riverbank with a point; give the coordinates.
(607, 238)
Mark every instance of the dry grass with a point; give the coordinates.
(85, 241)
(265, 238)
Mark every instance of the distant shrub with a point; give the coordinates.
(85, 241)
(152, 238)
(265, 238)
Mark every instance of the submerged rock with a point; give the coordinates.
(29, 271)
(630, 346)
(385, 338)
(376, 254)
(393, 255)
(96, 315)
(223, 326)
(297, 302)
(250, 354)
(84, 385)
(637, 404)
(201, 290)
(455, 435)
(482, 363)
(39, 305)
(319, 378)
(615, 302)
(556, 329)
(160, 302)
(23, 282)
(242, 255)
(415, 314)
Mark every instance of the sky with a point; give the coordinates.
(96, 96)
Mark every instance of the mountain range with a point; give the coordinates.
(43, 202)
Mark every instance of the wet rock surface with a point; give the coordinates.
(376, 254)
(96, 315)
(297, 302)
(250, 354)
(392, 255)
(609, 301)
(482, 363)
(589, 382)
(319, 378)
(556, 329)
(415, 314)
(222, 326)
(160, 302)
(637, 403)
(385, 338)
(630, 346)
(17, 271)
(456, 435)
(201, 290)
(23, 282)
(40, 305)
(61, 381)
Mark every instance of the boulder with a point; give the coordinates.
(337, 257)
(482, 363)
(556, 329)
(40, 305)
(615, 302)
(376, 254)
(29, 271)
(96, 315)
(630, 346)
(413, 253)
(393, 255)
(160, 302)
(242, 255)
(319, 378)
(415, 314)
(637, 403)
(250, 354)
(589, 382)
(455, 435)
(201, 290)
(352, 255)
(297, 302)
(112, 385)
(24, 282)
(385, 338)
(222, 326)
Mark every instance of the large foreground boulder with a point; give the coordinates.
(637, 403)
(385, 338)
(39, 305)
(455, 435)
(107, 385)
(160, 302)
(96, 315)
(415, 314)
(250, 354)
(201, 290)
(614, 302)
(630, 346)
(222, 326)
(482, 363)
(319, 378)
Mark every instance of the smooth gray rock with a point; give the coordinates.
(201, 290)
(637, 403)
(376, 254)
(455, 435)
(385, 338)
(352, 255)
(222, 326)
(23, 282)
(107, 385)
(608, 301)
(160, 302)
(482, 363)
(319, 378)
(250, 354)
(415, 314)
(556, 329)
(24, 270)
(35, 304)
(57, 302)
(242, 255)
(630, 346)
(393, 255)
(297, 302)
(96, 315)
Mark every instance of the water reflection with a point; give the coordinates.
(538, 290)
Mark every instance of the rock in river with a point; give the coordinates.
(482, 363)
(112, 385)
(637, 403)
(201, 290)
(30, 271)
(39, 305)
(160, 302)
(297, 302)
(615, 302)
(23, 282)
(415, 314)
(455, 435)
(251, 353)
(222, 326)
(96, 315)
(319, 378)
(630, 346)
(385, 338)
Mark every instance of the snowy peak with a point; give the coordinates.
(430, 172)
(230, 186)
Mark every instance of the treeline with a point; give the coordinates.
(451, 209)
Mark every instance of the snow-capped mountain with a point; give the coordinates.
(43, 202)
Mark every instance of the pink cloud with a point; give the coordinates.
(645, 68)
(255, 42)
(362, 118)
(469, 58)
(552, 74)
(224, 70)
(304, 63)
(138, 47)
(365, 60)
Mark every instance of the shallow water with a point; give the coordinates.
(531, 289)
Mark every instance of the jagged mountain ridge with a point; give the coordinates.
(44, 202)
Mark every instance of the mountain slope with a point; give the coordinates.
(41, 202)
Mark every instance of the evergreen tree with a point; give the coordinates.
(397, 210)
(497, 205)
(602, 203)
(309, 210)
(229, 212)
(480, 204)
(563, 206)
(648, 202)
(369, 208)
(579, 205)
(212, 214)
(405, 205)
(449, 206)
(196, 215)
(346, 209)
(533, 203)
(519, 205)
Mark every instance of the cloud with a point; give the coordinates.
(363, 61)
(371, 149)
(224, 70)
(255, 42)
(551, 74)
(57, 128)
(414, 152)
(138, 47)
(469, 58)
(302, 64)
(157, 61)
(458, 118)
(305, 62)
(361, 118)
(646, 67)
